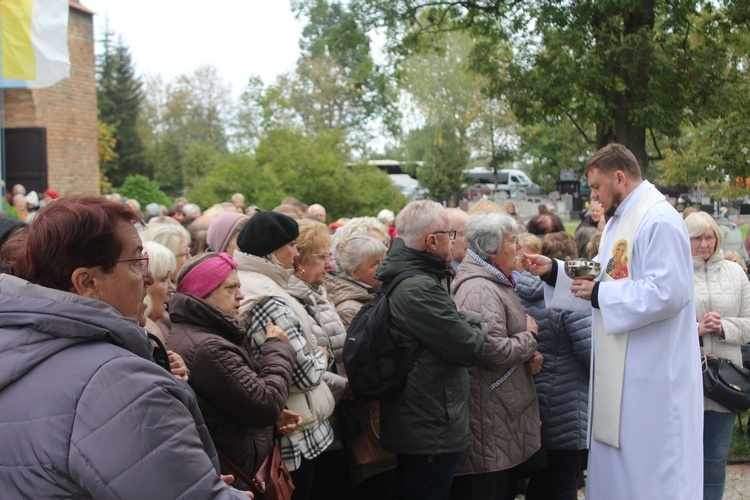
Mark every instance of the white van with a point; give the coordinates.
(508, 179)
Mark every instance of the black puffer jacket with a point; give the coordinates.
(431, 415)
(563, 385)
(240, 398)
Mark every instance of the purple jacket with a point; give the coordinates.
(86, 413)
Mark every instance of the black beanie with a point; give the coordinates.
(266, 232)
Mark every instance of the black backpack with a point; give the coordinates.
(375, 361)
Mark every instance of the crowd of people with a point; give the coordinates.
(148, 354)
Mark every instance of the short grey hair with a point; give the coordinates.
(418, 220)
(169, 235)
(354, 251)
(484, 232)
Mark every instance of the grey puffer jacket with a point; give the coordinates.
(430, 416)
(721, 286)
(563, 385)
(504, 418)
(327, 326)
(85, 412)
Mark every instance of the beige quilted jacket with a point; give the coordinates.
(504, 421)
(722, 286)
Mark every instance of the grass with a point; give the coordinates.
(739, 449)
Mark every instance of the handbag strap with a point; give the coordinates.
(235, 470)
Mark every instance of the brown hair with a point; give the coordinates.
(559, 246)
(72, 232)
(611, 158)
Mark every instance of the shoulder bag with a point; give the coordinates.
(726, 383)
(271, 482)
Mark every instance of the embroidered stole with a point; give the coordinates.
(610, 350)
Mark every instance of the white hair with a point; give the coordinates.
(161, 263)
(419, 219)
(386, 215)
(484, 232)
(354, 251)
(170, 235)
(190, 209)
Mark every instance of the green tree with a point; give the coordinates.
(119, 99)
(444, 162)
(186, 126)
(143, 190)
(634, 70)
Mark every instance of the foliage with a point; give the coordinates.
(445, 160)
(143, 190)
(551, 148)
(336, 86)
(739, 449)
(314, 170)
(119, 98)
(186, 126)
(634, 70)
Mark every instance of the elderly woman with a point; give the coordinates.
(722, 307)
(174, 237)
(161, 265)
(504, 413)
(359, 258)
(265, 256)
(371, 468)
(240, 397)
(563, 384)
(223, 232)
(84, 410)
(313, 245)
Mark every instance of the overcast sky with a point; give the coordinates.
(171, 37)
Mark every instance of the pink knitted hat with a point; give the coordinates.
(207, 276)
(221, 228)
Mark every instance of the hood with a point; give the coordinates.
(301, 291)
(341, 289)
(187, 308)
(400, 258)
(38, 322)
(469, 269)
(530, 288)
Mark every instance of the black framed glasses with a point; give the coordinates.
(451, 233)
(141, 262)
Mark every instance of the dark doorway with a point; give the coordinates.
(26, 158)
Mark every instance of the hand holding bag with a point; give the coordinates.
(726, 383)
(271, 482)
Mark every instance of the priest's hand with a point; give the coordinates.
(536, 264)
(582, 288)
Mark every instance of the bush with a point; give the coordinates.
(145, 191)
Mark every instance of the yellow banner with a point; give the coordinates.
(19, 59)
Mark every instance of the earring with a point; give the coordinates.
(303, 271)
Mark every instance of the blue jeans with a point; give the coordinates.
(717, 434)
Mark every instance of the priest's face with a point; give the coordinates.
(607, 189)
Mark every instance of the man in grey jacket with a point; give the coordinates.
(427, 424)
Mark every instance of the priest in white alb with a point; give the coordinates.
(646, 401)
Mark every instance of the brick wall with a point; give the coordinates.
(68, 111)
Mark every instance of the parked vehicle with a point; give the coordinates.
(508, 179)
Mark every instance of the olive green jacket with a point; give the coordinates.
(430, 416)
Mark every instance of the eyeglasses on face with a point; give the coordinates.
(451, 233)
(707, 238)
(141, 263)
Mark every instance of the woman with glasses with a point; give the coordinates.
(314, 247)
(84, 410)
(722, 308)
(504, 413)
